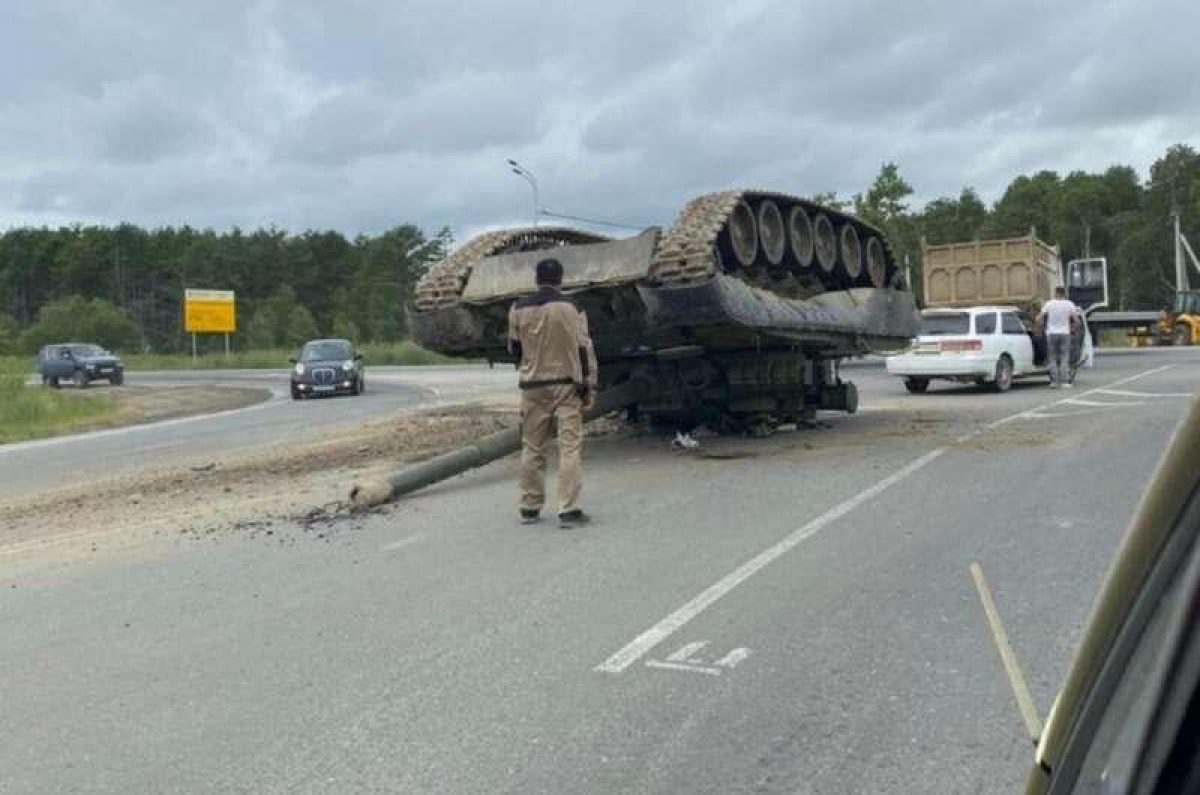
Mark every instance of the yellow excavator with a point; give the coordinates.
(1181, 325)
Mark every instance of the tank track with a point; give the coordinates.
(697, 246)
(442, 285)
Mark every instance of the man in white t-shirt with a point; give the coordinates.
(1059, 317)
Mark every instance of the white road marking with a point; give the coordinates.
(1033, 413)
(682, 659)
(1054, 415)
(1132, 394)
(685, 652)
(1103, 404)
(672, 623)
(733, 658)
(672, 666)
(400, 543)
(643, 643)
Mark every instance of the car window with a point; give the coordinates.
(945, 323)
(985, 323)
(1012, 324)
(320, 351)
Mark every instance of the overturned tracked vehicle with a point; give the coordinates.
(737, 316)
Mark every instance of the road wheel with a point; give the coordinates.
(916, 385)
(1182, 335)
(117, 380)
(361, 387)
(54, 382)
(45, 380)
(1004, 371)
(297, 394)
(80, 379)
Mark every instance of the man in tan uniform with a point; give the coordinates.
(557, 375)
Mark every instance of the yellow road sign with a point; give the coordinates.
(209, 311)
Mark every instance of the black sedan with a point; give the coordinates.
(327, 367)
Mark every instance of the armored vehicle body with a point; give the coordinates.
(736, 316)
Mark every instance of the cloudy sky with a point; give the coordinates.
(363, 114)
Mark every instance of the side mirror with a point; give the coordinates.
(358, 357)
(291, 359)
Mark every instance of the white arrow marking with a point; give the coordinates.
(733, 658)
(673, 666)
(684, 655)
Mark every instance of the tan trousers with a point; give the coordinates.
(540, 408)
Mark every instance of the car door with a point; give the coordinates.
(1017, 342)
(57, 366)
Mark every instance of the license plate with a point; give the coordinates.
(928, 347)
(106, 369)
(323, 388)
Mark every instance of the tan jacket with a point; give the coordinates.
(549, 336)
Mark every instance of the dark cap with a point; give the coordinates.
(549, 272)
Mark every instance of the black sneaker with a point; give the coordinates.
(530, 517)
(575, 518)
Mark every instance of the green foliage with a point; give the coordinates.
(29, 412)
(9, 333)
(76, 319)
(883, 203)
(144, 272)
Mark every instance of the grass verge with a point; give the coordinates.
(31, 412)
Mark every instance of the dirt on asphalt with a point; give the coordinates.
(305, 484)
(301, 483)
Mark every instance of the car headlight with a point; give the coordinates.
(299, 368)
(348, 364)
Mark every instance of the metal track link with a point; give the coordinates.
(443, 284)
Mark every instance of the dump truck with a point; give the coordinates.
(1021, 272)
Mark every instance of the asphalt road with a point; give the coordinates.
(74, 460)
(786, 615)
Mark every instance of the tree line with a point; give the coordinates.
(1111, 214)
(123, 286)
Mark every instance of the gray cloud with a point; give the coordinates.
(365, 114)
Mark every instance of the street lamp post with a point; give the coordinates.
(528, 176)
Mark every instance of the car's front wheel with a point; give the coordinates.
(297, 394)
(1002, 381)
(80, 379)
(117, 379)
(360, 385)
(916, 386)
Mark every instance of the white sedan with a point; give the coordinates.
(981, 344)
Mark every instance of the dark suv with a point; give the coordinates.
(79, 363)
(327, 367)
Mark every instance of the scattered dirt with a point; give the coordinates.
(296, 490)
(301, 483)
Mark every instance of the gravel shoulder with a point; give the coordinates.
(302, 482)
